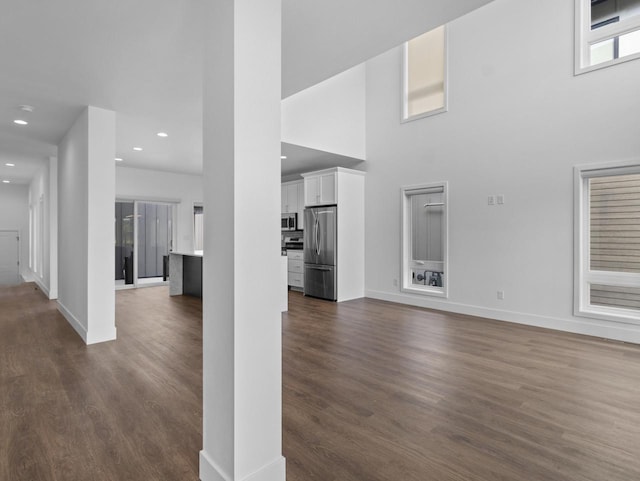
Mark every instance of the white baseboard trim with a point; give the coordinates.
(27, 277)
(210, 471)
(89, 337)
(588, 327)
(274, 471)
(71, 319)
(42, 287)
(105, 336)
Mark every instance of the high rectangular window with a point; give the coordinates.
(607, 32)
(424, 75)
(198, 229)
(608, 242)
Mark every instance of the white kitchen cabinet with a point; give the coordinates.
(283, 198)
(295, 261)
(292, 200)
(320, 188)
(289, 197)
(300, 186)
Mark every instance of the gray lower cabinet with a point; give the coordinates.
(295, 268)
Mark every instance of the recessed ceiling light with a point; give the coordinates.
(9, 164)
(138, 149)
(6, 181)
(118, 159)
(20, 122)
(283, 157)
(162, 134)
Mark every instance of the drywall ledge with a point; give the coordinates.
(576, 326)
(329, 116)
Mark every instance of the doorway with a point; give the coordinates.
(144, 239)
(9, 257)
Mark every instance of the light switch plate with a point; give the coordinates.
(491, 200)
(500, 199)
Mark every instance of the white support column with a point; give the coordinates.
(242, 388)
(86, 196)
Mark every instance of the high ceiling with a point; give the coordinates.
(143, 60)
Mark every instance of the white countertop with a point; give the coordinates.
(192, 254)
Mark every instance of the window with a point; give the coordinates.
(607, 33)
(198, 229)
(424, 239)
(607, 283)
(424, 75)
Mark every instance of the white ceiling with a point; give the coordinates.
(143, 59)
(303, 159)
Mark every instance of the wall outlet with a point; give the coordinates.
(395, 282)
(491, 200)
(500, 199)
(501, 295)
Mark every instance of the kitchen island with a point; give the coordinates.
(185, 274)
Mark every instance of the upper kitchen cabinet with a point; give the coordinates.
(320, 188)
(289, 198)
(292, 200)
(300, 186)
(325, 187)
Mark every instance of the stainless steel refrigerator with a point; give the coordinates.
(320, 252)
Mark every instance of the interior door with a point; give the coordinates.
(9, 268)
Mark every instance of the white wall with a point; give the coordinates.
(86, 180)
(139, 184)
(43, 196)
(14, 215)
(518, 121)
(73, 214)
(329, 116)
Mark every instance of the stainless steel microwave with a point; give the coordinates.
(289, 221)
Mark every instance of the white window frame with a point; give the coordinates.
(406, 239)
(404, 100)
(583, 275)
(193, 220)
(585, 37)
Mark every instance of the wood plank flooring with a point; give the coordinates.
(379, 391)
(125, 410)
(372, 391)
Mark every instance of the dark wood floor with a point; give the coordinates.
(378, 391)
(371, 391)
(124, 410)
